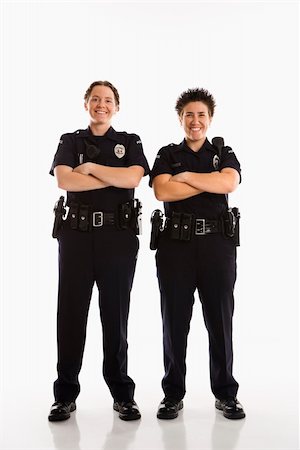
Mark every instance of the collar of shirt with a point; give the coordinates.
(110, 134)
(184, 147)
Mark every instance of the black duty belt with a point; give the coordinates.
(183, 226)
(81, 218)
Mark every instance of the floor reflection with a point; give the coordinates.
(225, 433)
(173, 433)
(121, 435)
(66, 434)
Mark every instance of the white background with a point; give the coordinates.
(246, 54)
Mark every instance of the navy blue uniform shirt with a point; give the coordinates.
(114, 149)
(174, 159)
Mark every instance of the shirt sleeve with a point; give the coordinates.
(161, 165)
(65, 154)
(229, 159)
(136, 155)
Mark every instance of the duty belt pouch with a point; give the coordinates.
(83, 218)
(175, 225)
(73, 215)
(181, 226)
(186, 227)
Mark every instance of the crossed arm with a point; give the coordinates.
(90, 176)
(184, 185)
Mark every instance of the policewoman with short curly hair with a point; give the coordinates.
(197, 251)
(99, 168)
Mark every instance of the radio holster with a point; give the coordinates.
(59, 213)
(130, 215)
(156, 228)
(231, 224)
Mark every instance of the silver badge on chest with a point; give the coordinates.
(216, 162)
(119, 150)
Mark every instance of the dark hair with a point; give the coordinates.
(196, 95)
(102, 83)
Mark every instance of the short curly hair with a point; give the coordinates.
(196, 95)
(102, 83)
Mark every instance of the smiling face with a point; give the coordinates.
(101, 106)
(195, 120)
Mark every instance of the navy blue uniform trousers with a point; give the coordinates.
(107, 257)
(208, 264)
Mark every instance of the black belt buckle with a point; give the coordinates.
(200, 227)
(97, 219)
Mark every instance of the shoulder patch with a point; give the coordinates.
(216, 162)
